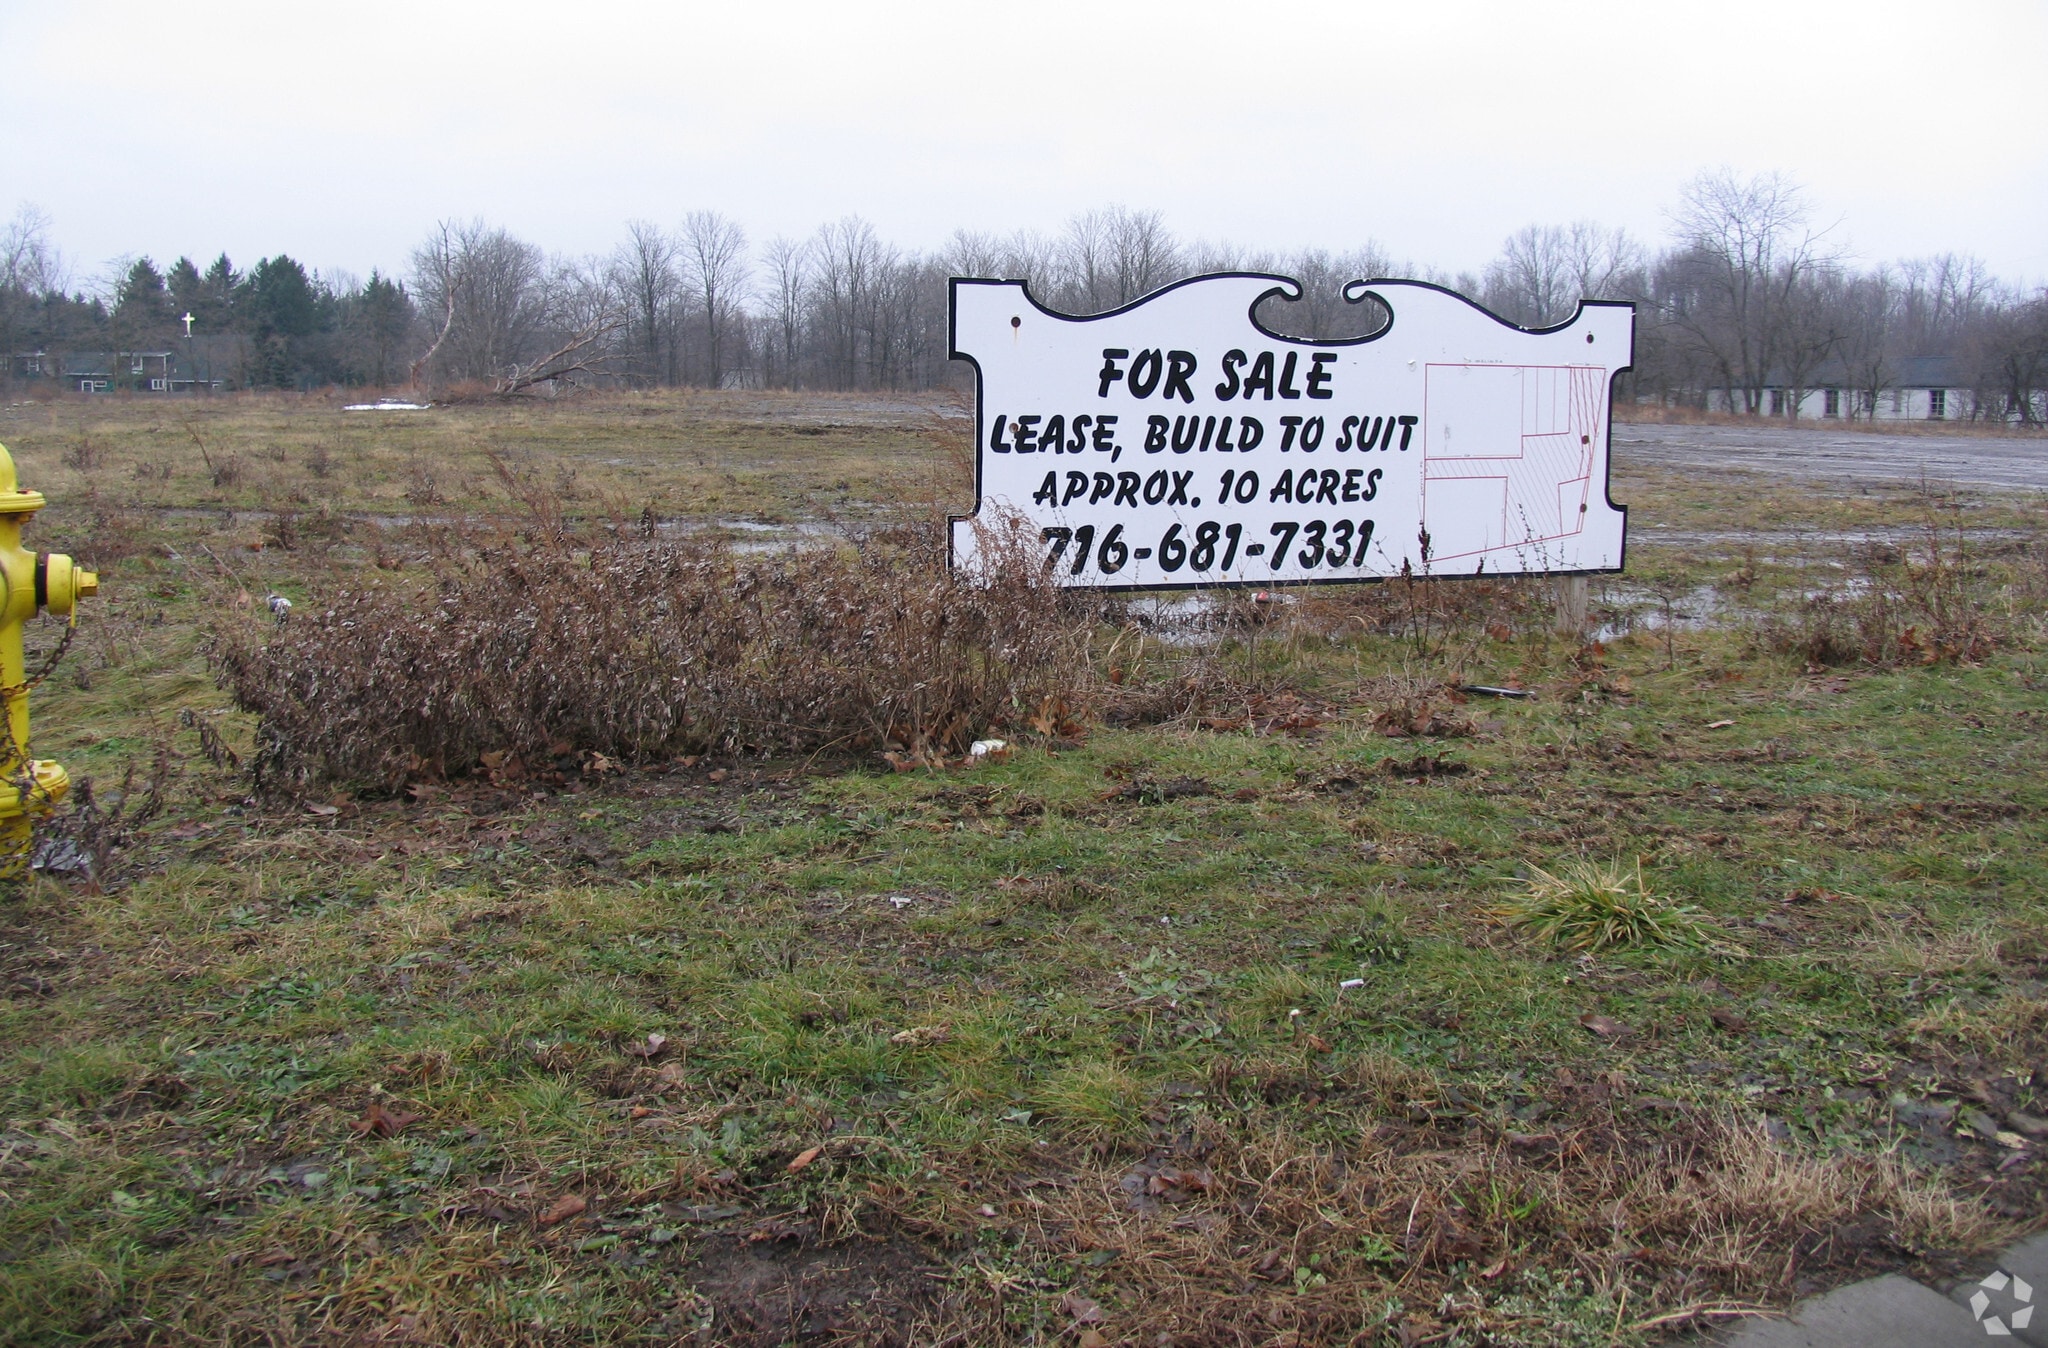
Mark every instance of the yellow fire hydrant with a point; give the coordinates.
(29, 582)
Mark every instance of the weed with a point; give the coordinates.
(1933, 601)
(88, 838)
(1589, 906)
(226, 471)
(1091, 1096)
(85, 456)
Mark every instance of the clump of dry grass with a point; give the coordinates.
(639, 648)
(2010, 1032)
(1588, 905)
(1236, 1234)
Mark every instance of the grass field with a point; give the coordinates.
(1199, 1019)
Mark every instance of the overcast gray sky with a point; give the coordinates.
(340, 132)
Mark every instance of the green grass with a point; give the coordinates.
(1229, 1064)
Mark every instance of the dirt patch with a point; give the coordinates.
(1143, 790)
(765, 1290)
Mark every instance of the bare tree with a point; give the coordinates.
(1085, 265)
(1812, 317)
(973, 253)
(2007, 347)
(29, 262)
(1142, 253)
(1942, 295)
(31, 271)
(1115, 255)
(580, 352)
(1204, 256)
(1034, 257)
(714, 251)
(644, 273)
(1745, 251)
(847, 258)
(488, 285)
(1868, 349)
(789, 268)
(435, 260)
(1543, 271)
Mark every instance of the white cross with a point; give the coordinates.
(187, 320)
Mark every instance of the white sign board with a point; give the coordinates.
(1176, 443)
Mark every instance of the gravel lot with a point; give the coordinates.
(2016, 462)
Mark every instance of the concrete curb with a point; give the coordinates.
(2007, 1303)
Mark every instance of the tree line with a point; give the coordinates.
(274, 325)
(1745, 296)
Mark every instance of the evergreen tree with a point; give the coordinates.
(386, 316)
(142, 306)
(185, 285)
(283, 311)
(213, 309)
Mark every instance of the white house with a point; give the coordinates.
(1921, 388)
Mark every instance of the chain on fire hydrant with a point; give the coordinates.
(29, 582)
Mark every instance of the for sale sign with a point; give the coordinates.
(1176, 442)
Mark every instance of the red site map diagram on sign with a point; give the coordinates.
(1508, 455)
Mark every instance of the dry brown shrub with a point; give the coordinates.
(548, 644)
(1940, 599)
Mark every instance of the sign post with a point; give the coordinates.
(1175, 443)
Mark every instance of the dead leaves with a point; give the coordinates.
(1055, 720)
(1425, 766)
(1155, 1182)
(804, 1159)
(979, 754)
(380, 1121)
(1083, 1314)
(649, 1048)
(1270, 714)
(1143, 790)
(1081, 1309)
(1174, 1185)
(918, 1036)
(565, 1207)
(502, 767)
(1606, 1027)
(1408, 719)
